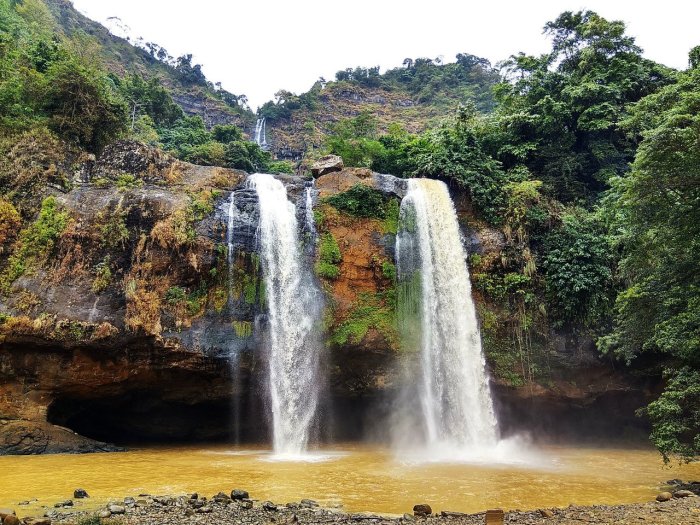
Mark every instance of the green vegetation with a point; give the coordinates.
(369, 312)
(329, 257)
(103, 276)
(35, 242)
(363, 201)
(243, 328)
(655, 223)
(126, 181)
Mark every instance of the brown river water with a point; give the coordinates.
(358, 477)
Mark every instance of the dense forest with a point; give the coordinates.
(587, 158)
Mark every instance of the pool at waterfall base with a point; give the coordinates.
(351, 477)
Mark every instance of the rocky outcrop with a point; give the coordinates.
(143, 323)
(327, 164)
(36, 437)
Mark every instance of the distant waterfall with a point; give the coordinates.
(261, 133)
(437, 312)
(294, 308)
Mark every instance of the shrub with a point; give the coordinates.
(36, 241)
(361, 201)
(10, 221)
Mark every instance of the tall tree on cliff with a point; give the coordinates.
(657, 221)
(561, 111)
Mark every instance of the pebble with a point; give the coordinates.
(664, 496)
(80, 494)
(546, 513)
(268, 505)
(116, 509)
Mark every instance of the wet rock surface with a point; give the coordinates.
(36, 437)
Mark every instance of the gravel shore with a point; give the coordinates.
(223, 510)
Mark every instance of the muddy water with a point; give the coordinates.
(360, 478)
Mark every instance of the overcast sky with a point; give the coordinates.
(257, 47)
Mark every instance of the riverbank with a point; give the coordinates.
(222, 510)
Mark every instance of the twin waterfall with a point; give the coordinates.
(293, 305)
(260, 137)
(434, 287)
(436, 315)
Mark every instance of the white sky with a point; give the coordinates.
(258, 47)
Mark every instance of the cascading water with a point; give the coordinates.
(293, 308)
(260, 133)
(438, 316)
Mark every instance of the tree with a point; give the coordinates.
(82, 104)
(561, 111)
(656, 221)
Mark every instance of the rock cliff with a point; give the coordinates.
(138, 322)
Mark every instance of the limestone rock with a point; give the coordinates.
(327, 164)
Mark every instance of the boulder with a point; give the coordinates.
(6, 512)
(10, 519)
(268, 505)
(664, 496)
(422, 509)
(80, 494)
(327, 164)
(239, 494)
(683, 494)
(116, 509)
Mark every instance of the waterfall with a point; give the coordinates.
(293, 302)
(437, 310)
(260, 133)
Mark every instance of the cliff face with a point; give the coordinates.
(138, 321)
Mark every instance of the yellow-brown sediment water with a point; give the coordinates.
(360, 478)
